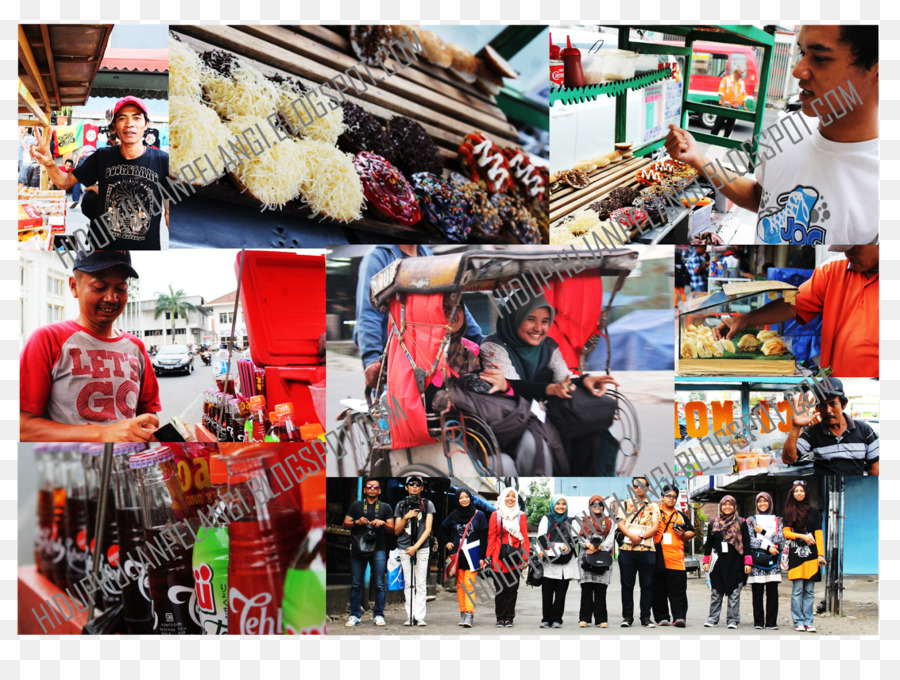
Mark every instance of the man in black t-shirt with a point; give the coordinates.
(131, 200)
(364, 518)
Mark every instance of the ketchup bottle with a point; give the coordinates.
(571, 57)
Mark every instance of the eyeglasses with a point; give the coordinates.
(373, 486)
(798, 481)
(416, 484)
(671, 495)
(596, 505)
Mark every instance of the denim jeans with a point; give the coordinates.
(802, 600)
(76, 192)
(636, 565)
(378, 560)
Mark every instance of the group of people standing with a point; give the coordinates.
(650, 538)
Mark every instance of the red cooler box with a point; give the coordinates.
(283, 298)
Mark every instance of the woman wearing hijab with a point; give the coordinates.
(766, 536)
(521, 357)
(728, 560)
(557, 542)
(508, 549)
(803, 528)
(596, 536)
(466, 533)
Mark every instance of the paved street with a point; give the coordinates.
(181, 395)
(860, 606)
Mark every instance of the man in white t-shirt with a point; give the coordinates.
(813, 185)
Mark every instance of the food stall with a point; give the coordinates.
(584, 206)
(438, 111)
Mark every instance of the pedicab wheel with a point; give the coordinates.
(353, 442)
(627, 431)
(418, 469)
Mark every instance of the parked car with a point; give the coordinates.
(173, 359)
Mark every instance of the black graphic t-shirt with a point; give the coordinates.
(131, 201)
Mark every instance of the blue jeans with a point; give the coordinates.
(802, 600)
(378, 560)
(76, 192)
(636, 565)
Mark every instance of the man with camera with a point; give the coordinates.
(414, 517)
(368, 520)
(670, 579)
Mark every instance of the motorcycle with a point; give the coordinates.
(206, 357)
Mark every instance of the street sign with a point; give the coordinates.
(683, 502)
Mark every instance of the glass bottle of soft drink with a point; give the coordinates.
(274, 433)
(304, 585)
(42, 454)
(261, 545)
(289, 430)
(210, 557)
(140, 618)
(57, 545)
(108, 552)
(163, 507)
(76, 517)
(258, 423)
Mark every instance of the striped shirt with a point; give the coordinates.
(848, 454)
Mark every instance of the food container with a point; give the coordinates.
(765, 460)
(592, 64)
(619, 64)
(742, 461)
(752, 460)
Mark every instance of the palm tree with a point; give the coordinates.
(175, 303)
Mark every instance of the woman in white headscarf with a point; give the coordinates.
(508, 548)
(557, 541)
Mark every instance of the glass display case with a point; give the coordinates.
(756, 351)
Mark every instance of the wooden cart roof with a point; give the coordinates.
(58, 63)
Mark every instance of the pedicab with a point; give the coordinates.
(392, 434)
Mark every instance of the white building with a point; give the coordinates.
(44, 295)
(138, 320)
(222, 313)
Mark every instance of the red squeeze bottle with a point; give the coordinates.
(571, 57)
(261, 543)
(554, 49)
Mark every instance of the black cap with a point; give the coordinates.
(834, 388)
(98, 260)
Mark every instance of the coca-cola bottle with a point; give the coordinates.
(140, 618)
(42, 458)
(304, 585)
(166, 517)
(56, 548)
(289, 430)
(108, 552)
(210, 556)
(261, 545)
(76, 517)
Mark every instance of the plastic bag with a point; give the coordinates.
(395, 571)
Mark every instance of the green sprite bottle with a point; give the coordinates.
(304, 585)
(210, 560)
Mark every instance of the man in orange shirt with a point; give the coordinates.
(670, 580)
(732, 93)
(845, 292)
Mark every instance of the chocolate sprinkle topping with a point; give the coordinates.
(364, 133)
(222, 62)
(416, 151)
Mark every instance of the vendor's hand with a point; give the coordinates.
(495, 377)
(801, 416)
(706, 567)
(560, 390)
(139, 429)
(449, 546)
(729, 327)
(41, 151)
(410, 551)
(773, 550)
(372, 371)
(596, 384)
(747, 568)
(681, 145)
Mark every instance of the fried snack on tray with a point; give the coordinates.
(529, 179)
(577, 179)
(748, 343)
(762, 336)
(774, 347)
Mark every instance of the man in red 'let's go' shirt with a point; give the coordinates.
(83, 380)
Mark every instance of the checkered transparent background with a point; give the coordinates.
(529, 657)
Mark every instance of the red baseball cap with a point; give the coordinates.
(124, 101)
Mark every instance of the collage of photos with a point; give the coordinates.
(387, 299)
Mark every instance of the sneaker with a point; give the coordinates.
(810, 629)
(421, 624)
(582, 624)
(757, 627)
(352, 621)
(626, 623)
(407, 623)
(500, 624)
(679, 623)
(800, 628)
(663, 623)
(647, 623)
(556, 624)
(468, 620)
(732, 626)
(379, 621)
(544, 624)
(603, 625)
(462, 619)
(771, 627)
(710, 624)
(72, 204)
(509, 624)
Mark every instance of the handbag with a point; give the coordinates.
(451, 565)
(535, 575)
(563, 557)
(509, 554)
(596, 562)
(395, 579)
(582, 415)
(763, 559)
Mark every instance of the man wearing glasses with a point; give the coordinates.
(414, 516)
(368, 520)
(670, 579)
(639, 522)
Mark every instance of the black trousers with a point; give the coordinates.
(769, 616)
(637, 565)
(727, 122)
(553, 591)
(670, 586)
(593, 603)
(505, 600)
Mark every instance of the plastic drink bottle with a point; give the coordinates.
(140, 618)
(261, 544)
(289, 430)
(166, 518)
(257, 423)
(275, 429)
(76, 518)
(210, 558)
(304, 585)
